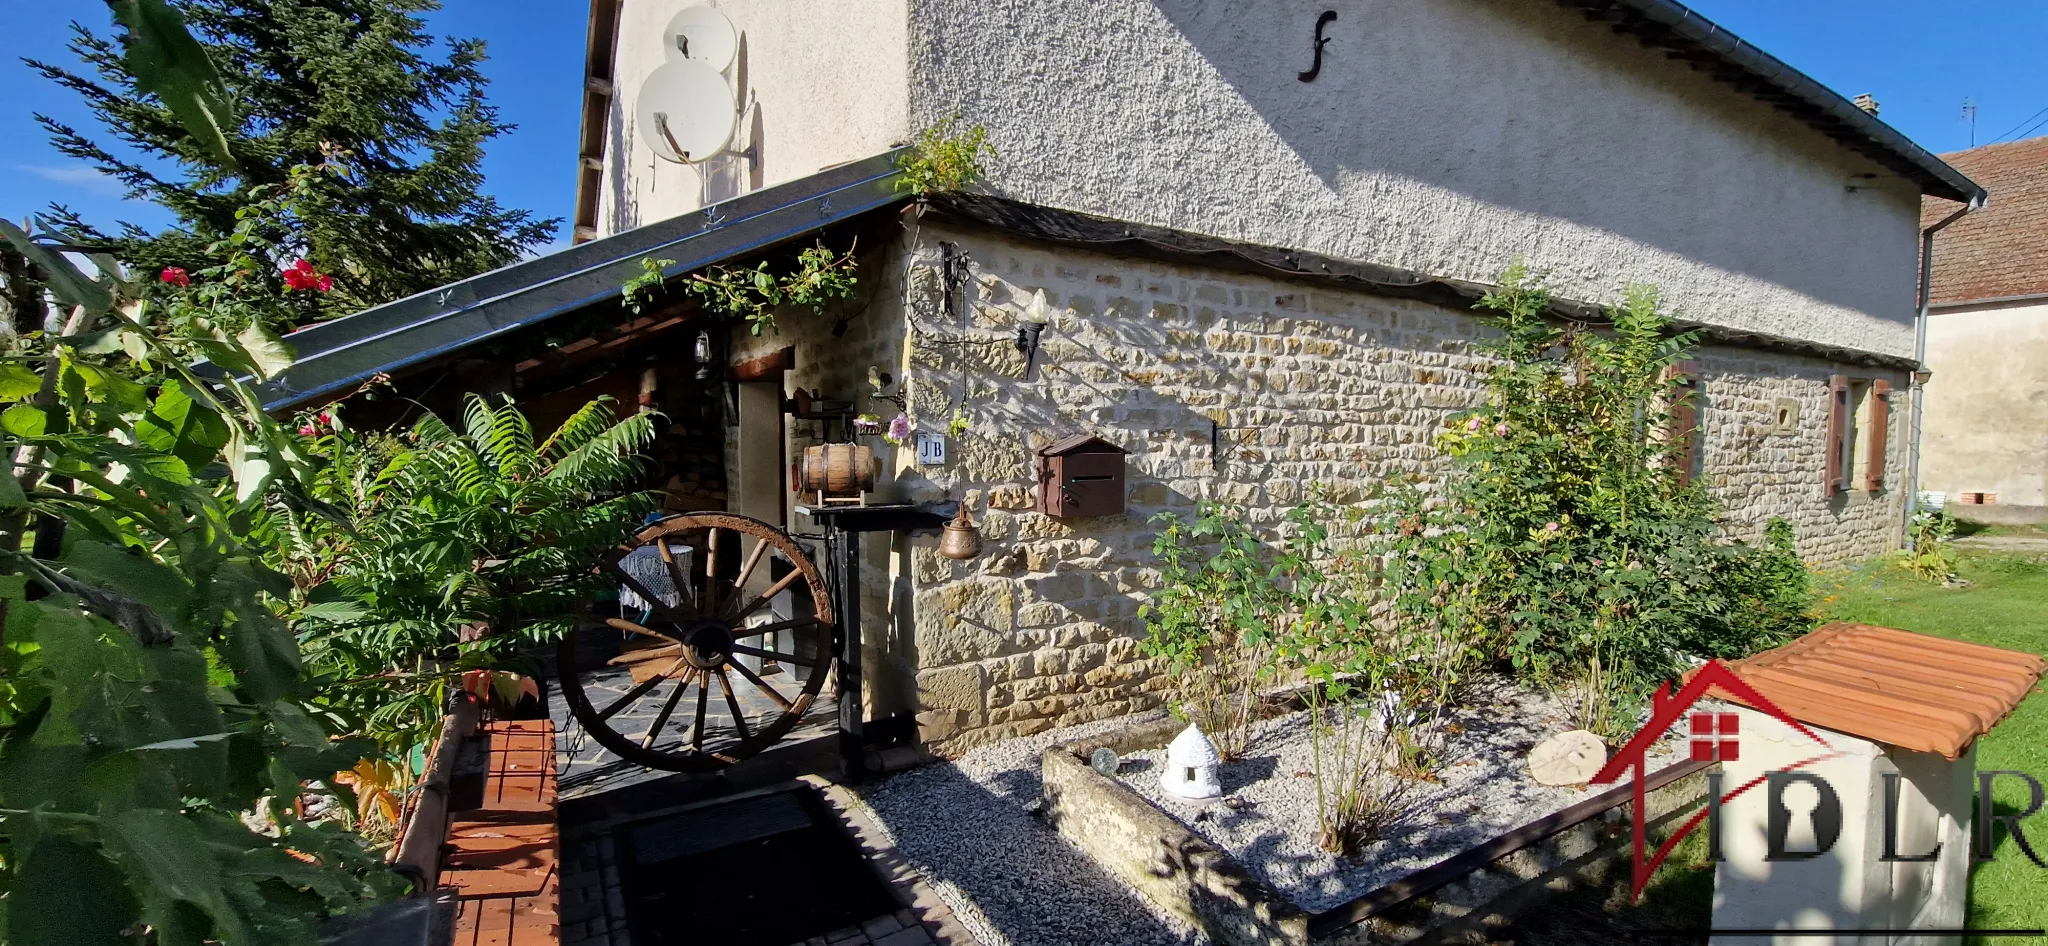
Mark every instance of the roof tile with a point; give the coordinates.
(2002, 250)
(1916, 691)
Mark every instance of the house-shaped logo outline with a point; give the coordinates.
(1665, 712)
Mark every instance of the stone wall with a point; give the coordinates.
(1301, 383)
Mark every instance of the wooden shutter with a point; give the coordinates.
(1838, 428)
(1684, 433)
(1880, 424)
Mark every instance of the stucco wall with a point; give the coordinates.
(822, 81)
(1310, 385)
(1985, 428)
(1445, 137)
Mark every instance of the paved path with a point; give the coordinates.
(2003, 543)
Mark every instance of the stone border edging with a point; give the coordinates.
(1147, 849)
(1188, 876)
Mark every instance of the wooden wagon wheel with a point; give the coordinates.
(690, 620)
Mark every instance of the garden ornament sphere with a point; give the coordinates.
(1191, 762)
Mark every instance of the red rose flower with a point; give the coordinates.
(307, 431)
(176, 276)
(301, 275)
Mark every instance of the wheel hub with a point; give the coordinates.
(707, 644)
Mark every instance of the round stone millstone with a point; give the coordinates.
(1568, 758)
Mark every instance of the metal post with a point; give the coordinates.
(852, 748)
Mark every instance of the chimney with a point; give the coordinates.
(1867, 102)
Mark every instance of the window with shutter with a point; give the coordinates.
(1684, 430)
(1838, 431)
(1874, 440)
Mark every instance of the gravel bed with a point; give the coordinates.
(1267, 819)
(970, 827)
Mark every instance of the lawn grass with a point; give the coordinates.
(2006, 605)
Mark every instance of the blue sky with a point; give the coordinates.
(1920, 59)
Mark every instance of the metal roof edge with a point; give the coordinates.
(334, 356)
(1936, 177)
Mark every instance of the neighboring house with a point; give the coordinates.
(1984, 433)
(1253, 282)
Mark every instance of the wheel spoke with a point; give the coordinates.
(772, 655)
(711, 570)
(639, 691)
(642, 656)
(653, 600)
(732, 703)
(739, 585)
(703, 697)
(756, 680)
(740, 632)
(632, 628)
(675, 571)
(773, 590)
(661, 718)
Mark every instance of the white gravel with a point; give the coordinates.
(970, 828)
(1484, 790)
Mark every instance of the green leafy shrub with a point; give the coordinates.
(1931, 556)
(1599, 563)
(944, 158)
(154, 704)
(454, 550)
(1213, 619)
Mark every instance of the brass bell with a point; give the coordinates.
(962, 540)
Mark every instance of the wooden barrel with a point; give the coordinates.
(837, 469)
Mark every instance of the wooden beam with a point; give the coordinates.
(767, 367)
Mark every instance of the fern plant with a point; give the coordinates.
(457, 548)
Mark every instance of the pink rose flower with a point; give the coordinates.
(1474, 424)
(1500, 429)
(1550, 527)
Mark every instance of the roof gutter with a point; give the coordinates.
(336, 357)
(1937, 178)
(1920, 373)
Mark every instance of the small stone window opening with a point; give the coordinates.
(1856, 433)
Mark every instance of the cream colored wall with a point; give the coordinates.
(1985, 426)
(823, 82)
(1445, 136)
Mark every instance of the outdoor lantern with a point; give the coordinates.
(703, 355)
(1036, 315)
(1191, 762)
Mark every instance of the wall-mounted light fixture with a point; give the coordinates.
(1036, 315)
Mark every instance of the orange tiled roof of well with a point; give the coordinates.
(1896, 687)
(2000, 251)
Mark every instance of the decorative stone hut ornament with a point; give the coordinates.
(1191, 762)
(1568, 758)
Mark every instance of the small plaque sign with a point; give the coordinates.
(931, 450)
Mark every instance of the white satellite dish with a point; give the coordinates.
(701, 34)
(686, 112)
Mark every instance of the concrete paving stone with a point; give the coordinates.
(851, 934)
(906, 916)
(881, 926)
(914, 936)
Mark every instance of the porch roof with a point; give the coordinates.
(334, 357)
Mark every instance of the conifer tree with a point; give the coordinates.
(358, 84)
